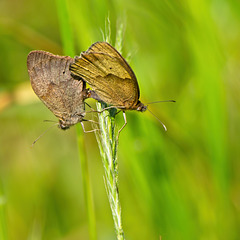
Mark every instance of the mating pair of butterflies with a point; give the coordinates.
(60, 82)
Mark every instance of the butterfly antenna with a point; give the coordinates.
(52, 121)
(161, 101)
(44, 133)
(165, 128)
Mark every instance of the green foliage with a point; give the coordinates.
(179, 184)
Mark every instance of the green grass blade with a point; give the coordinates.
(65, 27)
(66, 33)
(86, 184)
(3, 223)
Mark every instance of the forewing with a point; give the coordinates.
(52, 82)
(109, 75)
(106, 48)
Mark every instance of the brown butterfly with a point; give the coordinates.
(111, 78)
(52, 82)
(109, 75)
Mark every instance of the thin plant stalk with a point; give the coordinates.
(86, 184)
(107, 139)
(68, 46)
(107, 142)
(3, 222)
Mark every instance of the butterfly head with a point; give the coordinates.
(63, 125)
(141, 107)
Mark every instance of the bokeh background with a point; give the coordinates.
(179, 184)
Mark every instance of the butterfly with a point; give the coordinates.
(109, 75)
(52, 82)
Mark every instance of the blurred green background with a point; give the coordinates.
(179, 184)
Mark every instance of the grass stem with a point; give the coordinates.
(3, 223)
(107, 142)
(67, 39)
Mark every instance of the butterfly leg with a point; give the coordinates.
(125, 123)
(88, 105)
(92, 121)
(89, 130)
(118, 112)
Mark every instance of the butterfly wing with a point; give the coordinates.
(104, 47)
(109, 75)
(52, 82)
